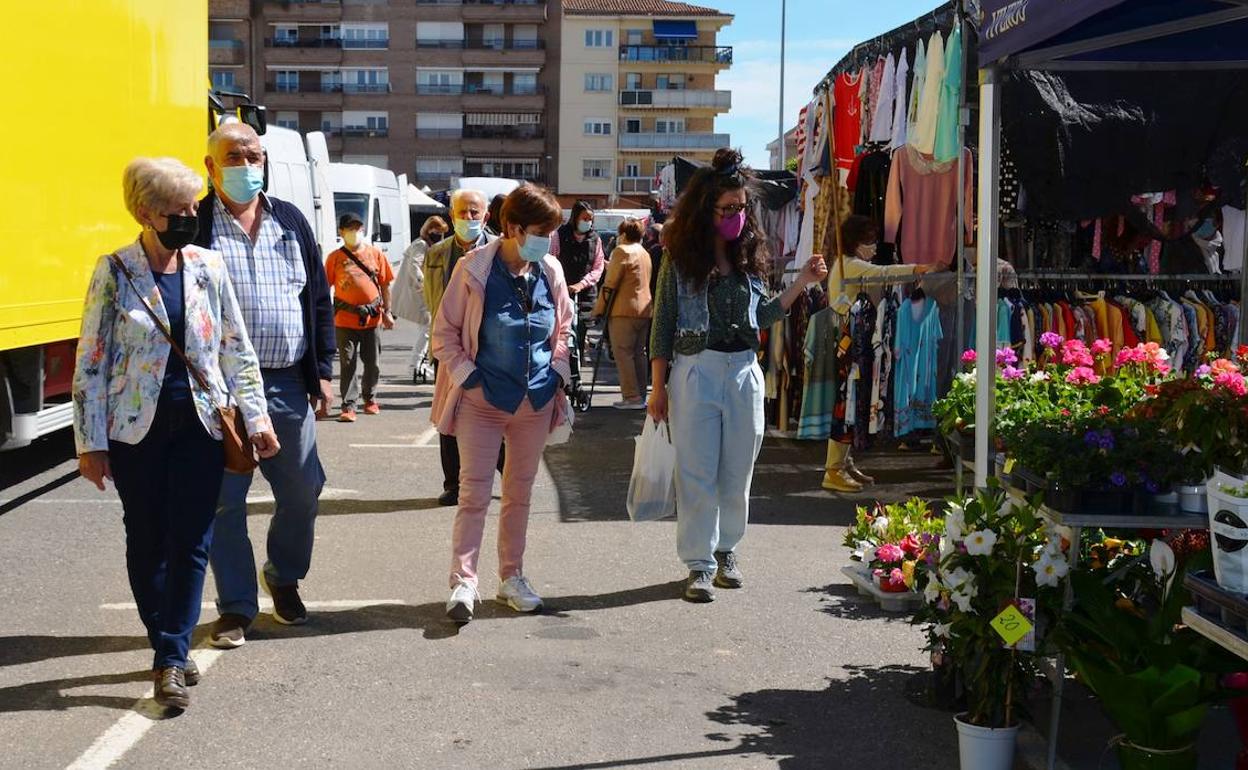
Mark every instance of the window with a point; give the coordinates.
(632, 168)
(597, 127)
(439, 34)
(598, 82)
(523, 168)
(493, 36)
(331, 122)
(359, 123)
(635, 36)
(330, 32)
(380, 161)
(671, 82)
(366, 81)
(288, 119)
(632, 126)
(431, 81)
(524, 83)
(438, 167)
(285, 35)
(524, 36)
(287, 81)
(676, 126)
(599, 38)
(366, 36)
(224, 79)
(439, 125)
(596, 169)
(632, 81)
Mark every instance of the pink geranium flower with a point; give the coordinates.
(1101, 347)
(1012, 373)
(889, 553)
(1051, 340)
(1232, 381)
(969, 357)
(1006, 357)
(1075, 353)
(1082, 375)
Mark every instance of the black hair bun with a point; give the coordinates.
(727, 159)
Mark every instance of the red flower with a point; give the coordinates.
(1102, 410)
(910, 544)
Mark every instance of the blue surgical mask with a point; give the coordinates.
(242, 184)
(584, 226)
(534, 247)
(468, 230)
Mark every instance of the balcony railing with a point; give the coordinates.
(504, 132)
(226, 44)
(327, 88)
(365, 88)
(634, 184)
(361, 43)
(477, 89)
(676, 98)
(439, 133)
(365, 131)
(439, 43)
(677, 141)
(505, 45)
(311, 42)
(705, 54)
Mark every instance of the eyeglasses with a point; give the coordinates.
(731, 210)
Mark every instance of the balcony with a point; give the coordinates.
(678, 99)
(230, 9)
(686, 141)
(222, 52)
(358, 132)
(503, 132)
(304, 10)
(505, 45)
(429, 89)
(452, 44)
(504, 10)
(439, 133)
(303, 96)
(527, 140)
(295, 42)
(635, 184)
(499, 53)
(359, 44)
(718, 55)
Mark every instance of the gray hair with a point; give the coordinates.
(231, 132)
(155, 184)
(464, 192)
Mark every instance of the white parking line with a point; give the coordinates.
(127, 731)
(421, 442)
(267, 604)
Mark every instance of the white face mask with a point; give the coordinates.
(866, 252)
(352, 238)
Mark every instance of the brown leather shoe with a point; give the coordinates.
(838, 480)
(192, 672)
(169, 688)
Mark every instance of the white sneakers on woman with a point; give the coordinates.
(515, 592)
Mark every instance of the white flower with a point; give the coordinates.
(1161, 558)
(1040, 377)
(955, 523)
(931, 592)
(963, 598)
(946, 547)
(1050, 569)
(957, 578)
(880, 526)
(980, 542)
(967, 378)
(942, 630)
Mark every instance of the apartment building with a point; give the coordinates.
(436, 89)
(636, 87)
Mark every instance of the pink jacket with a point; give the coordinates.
(458, 324)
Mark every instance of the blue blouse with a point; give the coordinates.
(177, 385)
(513, 347)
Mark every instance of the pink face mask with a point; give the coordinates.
(730, 228)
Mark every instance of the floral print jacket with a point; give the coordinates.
(122, 355)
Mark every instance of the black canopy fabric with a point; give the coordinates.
(941, 18)
(1009, 26)
(775, 188)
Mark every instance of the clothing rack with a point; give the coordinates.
(942, 18)
(1188, 277)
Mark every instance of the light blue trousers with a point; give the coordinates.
(716, 412)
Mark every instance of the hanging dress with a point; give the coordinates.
(917, 348)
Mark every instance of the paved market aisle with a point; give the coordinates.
(793, 671)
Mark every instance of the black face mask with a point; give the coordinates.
(435, 237)
(180, 232)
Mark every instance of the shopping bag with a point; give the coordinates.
(652, 488)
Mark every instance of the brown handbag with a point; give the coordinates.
(240, 455)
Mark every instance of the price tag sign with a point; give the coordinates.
(1012, 625)
(1009, 465)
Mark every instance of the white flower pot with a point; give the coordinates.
(1192, 498)
(1228, 531)
(985, 748)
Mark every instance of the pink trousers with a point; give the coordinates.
(480, 429)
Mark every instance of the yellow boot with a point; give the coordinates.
(835, 475)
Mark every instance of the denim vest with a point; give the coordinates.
(693, 314)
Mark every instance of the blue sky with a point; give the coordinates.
(820, 32)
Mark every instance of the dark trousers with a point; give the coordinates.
(448, 447)
(168, 484)
(355, 347)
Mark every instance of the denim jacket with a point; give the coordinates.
(693, 313)
(682, 314)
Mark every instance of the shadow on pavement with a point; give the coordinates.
(661, 592)
(40, 457)
(49, 695)
(839, 727)
(843, 602)
(352, 507)
(16, 650)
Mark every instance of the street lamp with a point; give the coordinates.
(783, 4)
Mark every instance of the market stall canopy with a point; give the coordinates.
(1113, 34)
(416, 198)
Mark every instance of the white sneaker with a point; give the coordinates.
(517, 593)
(463, 599)
(626, 404)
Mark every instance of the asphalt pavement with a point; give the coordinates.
(792, 671)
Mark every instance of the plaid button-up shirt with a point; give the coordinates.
(268, 277)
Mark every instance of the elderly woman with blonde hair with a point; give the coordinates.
(162, 346)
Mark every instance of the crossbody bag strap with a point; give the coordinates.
(371, 275)
(190, 367)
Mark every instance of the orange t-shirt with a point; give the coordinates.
(352, 285)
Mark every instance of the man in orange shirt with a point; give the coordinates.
(361, 277)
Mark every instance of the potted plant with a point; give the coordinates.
(1154, 677)
(955, 411)
(996, 553)
(910, 527)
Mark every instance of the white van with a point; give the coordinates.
(296, 173)
(379, 198)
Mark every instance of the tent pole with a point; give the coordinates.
(963, 122)
(1243, 272)
(986, 267)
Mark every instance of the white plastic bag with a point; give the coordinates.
(652, 488)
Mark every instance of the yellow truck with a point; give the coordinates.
(95, 84)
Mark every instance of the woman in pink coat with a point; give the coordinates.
(500, 337)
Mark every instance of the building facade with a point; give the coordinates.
(775, 163)
(636, 87)
(436, 89)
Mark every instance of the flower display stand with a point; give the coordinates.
(905, 602)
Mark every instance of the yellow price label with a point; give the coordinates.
(1012, 625)
(1009, 465)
